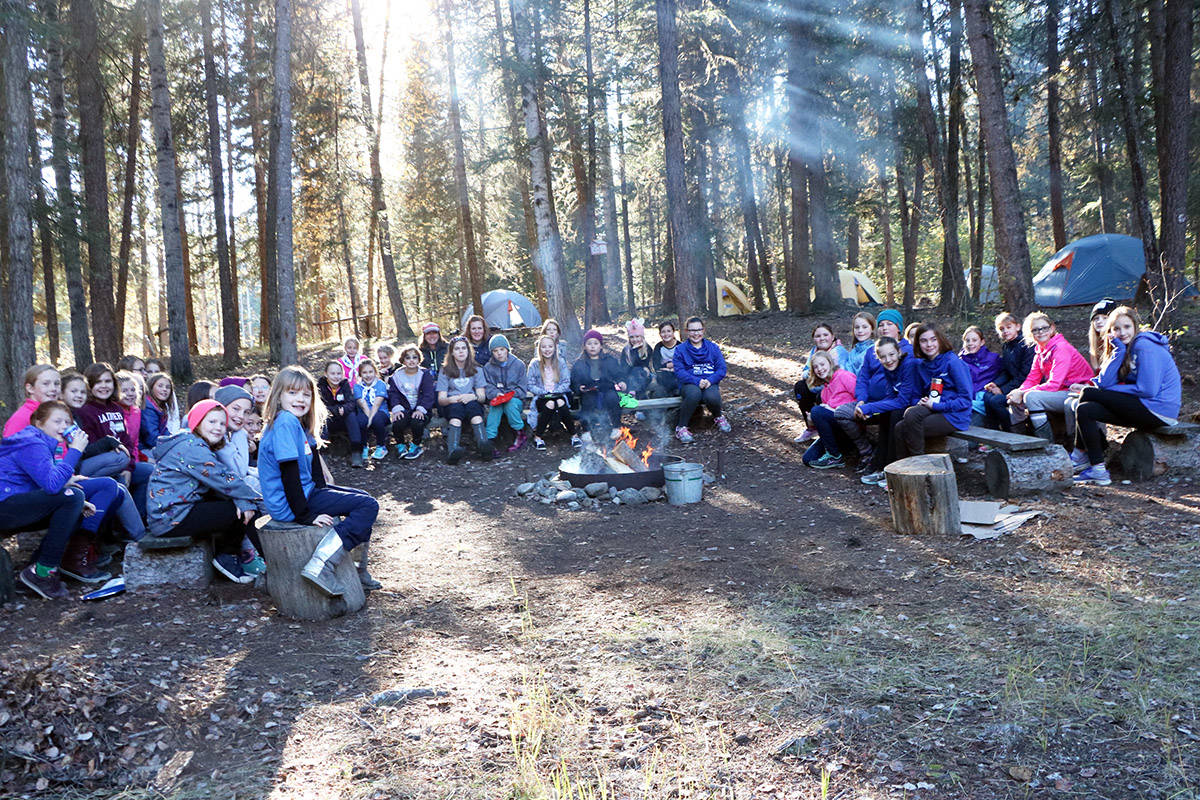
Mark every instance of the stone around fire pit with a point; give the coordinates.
(632, 497)
(596, 489)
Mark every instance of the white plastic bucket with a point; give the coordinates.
(684, 483)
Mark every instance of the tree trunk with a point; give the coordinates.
(281, 181)
(387, 265)
(193, 338)
(824, 269)
(45, 237)
(17, 311)
(797, 276)
(90, 95)
(236, 307)
(133, 134)
(254, 112)
(1054, 136)
(68, 228)
(596, 296)
(1016, 278)
(230, 343)
(631, 302)
(687, 300)
(164, 143)
(1175, 162)
(548, 256)
(614, 294)
(981, 216)
(148, 338)
(343, 234)
(1099, 144)
(779, 172)
(883, 211)
(585, 221)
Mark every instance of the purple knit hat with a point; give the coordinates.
(593, 334)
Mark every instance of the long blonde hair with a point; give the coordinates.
(553, 362)
(1106, 336)
(291, 379)
(814, 381)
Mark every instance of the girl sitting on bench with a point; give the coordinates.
(984, 366)
(42, 383)
(883, 396)
(549, 381)
(1056, 366)
(597, 377)
(663, 360)
(835, 386)
(460, 393)
(944, 387)
(806, 398)
(1016, 359)
(862, 328)
(1138, 387)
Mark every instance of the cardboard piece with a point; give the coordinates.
(984, 519)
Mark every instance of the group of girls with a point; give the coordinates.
(113, 451)
(478, 383)
(914, 386)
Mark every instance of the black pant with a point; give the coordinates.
(806, 398)
(884, 451)
(559, 415)
(919, 423)
(600, 410)
(216, 518)
(691, 396)
(406, 422)
(59, 511)
(1105, 405)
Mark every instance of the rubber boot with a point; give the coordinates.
(486, 450)
(454, 451)
(364, 577)
(321, 569)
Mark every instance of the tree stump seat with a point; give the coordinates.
(287, 547)
(163, 563)
(1148, 453)
(923, 495)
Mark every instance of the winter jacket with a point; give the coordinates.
(501, 378)
(1056, 365)
(896, 389)
(185, 470)
(839, 390)
(337, 398)
(536, 385)
(432, 360)
(426, 394)
(236, 455)
(871, 377)
(692, 363)
(27, 463)
(610, 374)
(99, 419)
(20, 418)
(857, 354)
(843, 357)
(483, 353)
(154, 426)
(1153, 376)
(955, 400)
(984, 366)
(1016, 359)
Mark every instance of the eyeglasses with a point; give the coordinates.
(1039, 329)
(695, 330)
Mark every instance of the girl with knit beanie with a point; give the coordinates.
(597, 377)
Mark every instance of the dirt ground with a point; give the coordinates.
(778, 640)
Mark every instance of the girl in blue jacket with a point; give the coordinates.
(944, 387)
(1138, 387)
(699, 368)
(882, 401)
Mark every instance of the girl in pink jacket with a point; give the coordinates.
(1056, 366)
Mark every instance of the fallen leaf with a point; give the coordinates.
(1020, 773)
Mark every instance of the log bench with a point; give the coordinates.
(287, 547)
(167, 562)
(1019, 464)
(1148, 453)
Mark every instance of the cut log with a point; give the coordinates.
(7, 581)
(164, 564)
(1148, 454)
(923, 494)
(1019, 472)
(286, 548)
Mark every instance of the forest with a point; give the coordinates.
(216, 176)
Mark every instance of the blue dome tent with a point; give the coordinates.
(503, 308)
(1090, 269)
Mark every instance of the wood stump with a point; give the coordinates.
(1148, 454)
(166, 563)
(1027, 471)
(287, 547)
(923, 494)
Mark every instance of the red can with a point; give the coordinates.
(935, 388)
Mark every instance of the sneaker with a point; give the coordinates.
(875, 478)
(684, 435)
(228, 565)
(366, 454)
(723, 424)
(540, 444)
(1079, 460)
(380, 453)
(983, 448)
(414, 451)
(808, 435)
(252, 563)
(356, 459)
(576, 442)
(50, 587)
(864, 462)
(402, 450)
(828, 461)
(1096, 474)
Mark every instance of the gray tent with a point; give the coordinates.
(504, 308)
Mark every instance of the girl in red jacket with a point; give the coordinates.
(1056, 366)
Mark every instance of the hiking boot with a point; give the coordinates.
(1096, 474)
(364, 576)
(380, 453)
(414, 451)
(684, 435)
(875, 478)
(540, 444)
(518, 443)
(50, 587)
(723, 424)
(231, 567)
(78, 562)
(808, 435)
(828, 461)
(1080, 460)
(356, 459)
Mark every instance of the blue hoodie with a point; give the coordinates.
(1153, 377)
(856, 355)
(869, 385)
(27, 463)
(955, 400)
(692, 363)
(892, 391)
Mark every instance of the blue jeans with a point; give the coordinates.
(105, 465)
(139, 483)
(510, 411)
(119, 506)
(823, 419)
(357, 509)
(377, 425)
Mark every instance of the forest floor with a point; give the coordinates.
(778, 640)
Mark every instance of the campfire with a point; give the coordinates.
(621, 457)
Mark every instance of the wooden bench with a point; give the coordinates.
(167, 562)
(1019, 464)
(1146, 454)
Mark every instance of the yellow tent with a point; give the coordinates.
(731, 301)
(858, 288)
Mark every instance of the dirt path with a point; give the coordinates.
(778, 640)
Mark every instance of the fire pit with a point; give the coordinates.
(621, 465)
